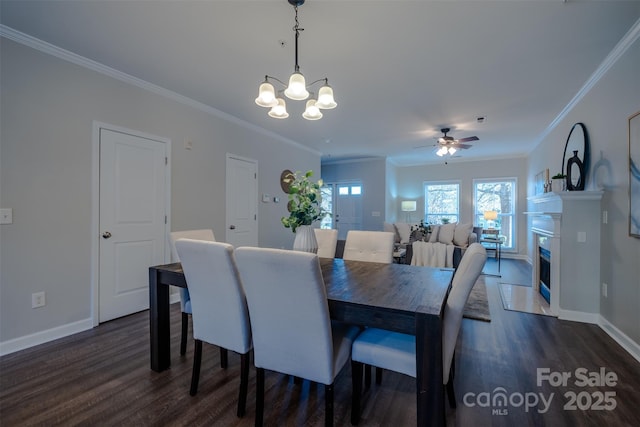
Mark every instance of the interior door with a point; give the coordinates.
(242, 201)
(132, 220)
(348, 214)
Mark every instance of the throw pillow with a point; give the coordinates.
(433, 238)
(461, 234)
(446, 232)
(404, 231)
(391, 229)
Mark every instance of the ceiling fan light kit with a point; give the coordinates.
(448, 145)
(297, 89)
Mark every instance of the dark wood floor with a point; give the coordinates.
(102, 377)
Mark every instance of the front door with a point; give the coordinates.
(133, 194)
(348, 214)
(242, 201)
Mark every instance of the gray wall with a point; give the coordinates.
(410, 185)
(48, 107)
(372, 174)
(604, 111)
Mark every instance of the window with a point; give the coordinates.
(497, 195)
(441, 202)
(326, 192)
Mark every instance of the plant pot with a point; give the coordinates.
(557, 185)
(305, 240)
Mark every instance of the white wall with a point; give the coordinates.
(48, 107)
(411, 186)
(605, 110)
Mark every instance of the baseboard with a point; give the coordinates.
(620, 337)
(42, 337)
(579, 316)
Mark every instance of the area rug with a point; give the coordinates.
(477, 307)
(523, 298)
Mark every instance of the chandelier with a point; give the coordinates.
(297, 89)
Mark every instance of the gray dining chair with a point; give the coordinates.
(397, 352)
(327, 241)
(219, 307)
(369, 246)
(292, 331)
(372, 246)
(185, 298)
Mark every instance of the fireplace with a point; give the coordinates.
(565, 231)
(544, 268)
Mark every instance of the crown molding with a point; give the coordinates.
(45, 47)
(629, 38)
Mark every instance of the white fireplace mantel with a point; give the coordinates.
(571, 219)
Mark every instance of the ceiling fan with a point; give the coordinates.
(449, 145)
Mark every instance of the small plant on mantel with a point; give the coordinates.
(304, 201)
(558, 182)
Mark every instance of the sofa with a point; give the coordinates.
(460, 236)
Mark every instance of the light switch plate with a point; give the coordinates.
(6, 216)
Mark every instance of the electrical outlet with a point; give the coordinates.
(605, 217)
(604, 289)
(6, 216)
(38, 299)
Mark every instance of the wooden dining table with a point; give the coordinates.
(395, 297)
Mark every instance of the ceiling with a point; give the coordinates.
(400, 69)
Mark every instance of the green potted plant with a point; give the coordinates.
(304, 209)
(558, 182)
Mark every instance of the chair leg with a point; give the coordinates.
(367, 376)
(244, 381)
(328, 405)
(185, 330)
(224, 358)
(450, 393)
(356, 391)
(259, 397)
(195, 375)
(379, 375)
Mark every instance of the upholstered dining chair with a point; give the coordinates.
(289, 312)
(327, 241)
(397, 352)
(185, 299)
(372, 246)
(219, 307)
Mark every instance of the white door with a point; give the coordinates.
(132, 220)
(242, 201)
(348, 214)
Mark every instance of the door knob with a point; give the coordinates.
(106, 235)
(232, 227)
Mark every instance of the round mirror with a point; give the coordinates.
(575, 160)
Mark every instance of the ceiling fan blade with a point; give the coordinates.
(469, 139)
(462, 146)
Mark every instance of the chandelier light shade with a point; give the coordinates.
(279, 111)
(297, 89)
(325, 98)
(312, 111)
(266, 95)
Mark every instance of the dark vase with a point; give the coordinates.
(575, 161)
